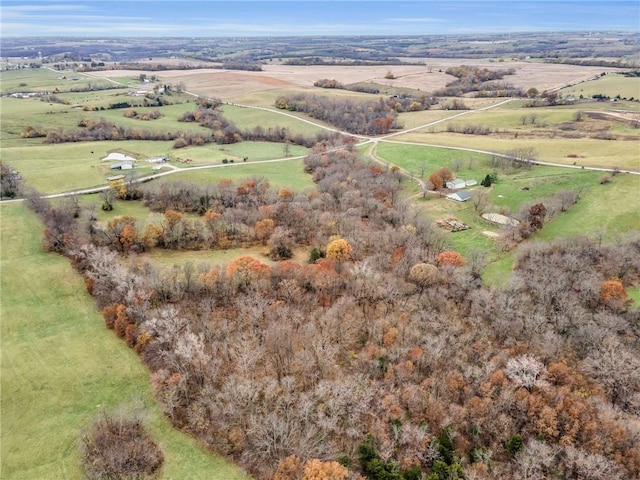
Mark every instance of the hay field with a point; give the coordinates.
(227, 84)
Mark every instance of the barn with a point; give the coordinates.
(122, 166)
(459, 196)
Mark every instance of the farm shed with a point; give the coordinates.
(455, 184)
(158, 159)
(122, 166)
(470, 183)
(459, 196)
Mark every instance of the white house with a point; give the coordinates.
(459, 196)
(455, 184)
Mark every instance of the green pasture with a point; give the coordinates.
(42, 79)
(121, 208)
(634, 294)
(502, 119)
(498, 271)
(61, 368)
(611, 208)
(584, 151)
(424, 117)
(611, 85)
(540, 121)
(19, 113)
(45, 80)
(288, 174)
(246, 118)
(421, 161)
(167, 123)
(253, 151)
(70, 166)
(530, 185)
(606, 209)
(104, 98)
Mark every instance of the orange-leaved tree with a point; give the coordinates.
(339, 249)
(450, 258)
(440, 177)
(612, 290)
(247, 269)
(264, 228)
(316, 469)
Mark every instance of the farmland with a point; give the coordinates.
(63, 361)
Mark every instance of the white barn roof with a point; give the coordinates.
(117, 157)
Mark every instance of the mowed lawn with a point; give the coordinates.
(61, 368)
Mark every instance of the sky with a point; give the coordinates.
(193, 18)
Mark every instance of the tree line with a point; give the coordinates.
(479, 80)
(222, 130)
(361, 118)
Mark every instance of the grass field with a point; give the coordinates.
(253, 151)
(587, 152)
(45, 80)
(68, 166)
(279, 174)
(421, 161)
(610, 85)
(61, 368)
(543, 122)
(605, 210)
(245, 118)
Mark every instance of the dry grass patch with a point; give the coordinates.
(426, 78)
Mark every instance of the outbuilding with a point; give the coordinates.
(459, 196)
(455, 184)
(122, 166)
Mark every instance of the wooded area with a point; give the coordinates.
(384, 355)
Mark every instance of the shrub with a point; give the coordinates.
(612, 290)
(515, 444)
(450, 258)
(118, 448)
(604, 179)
